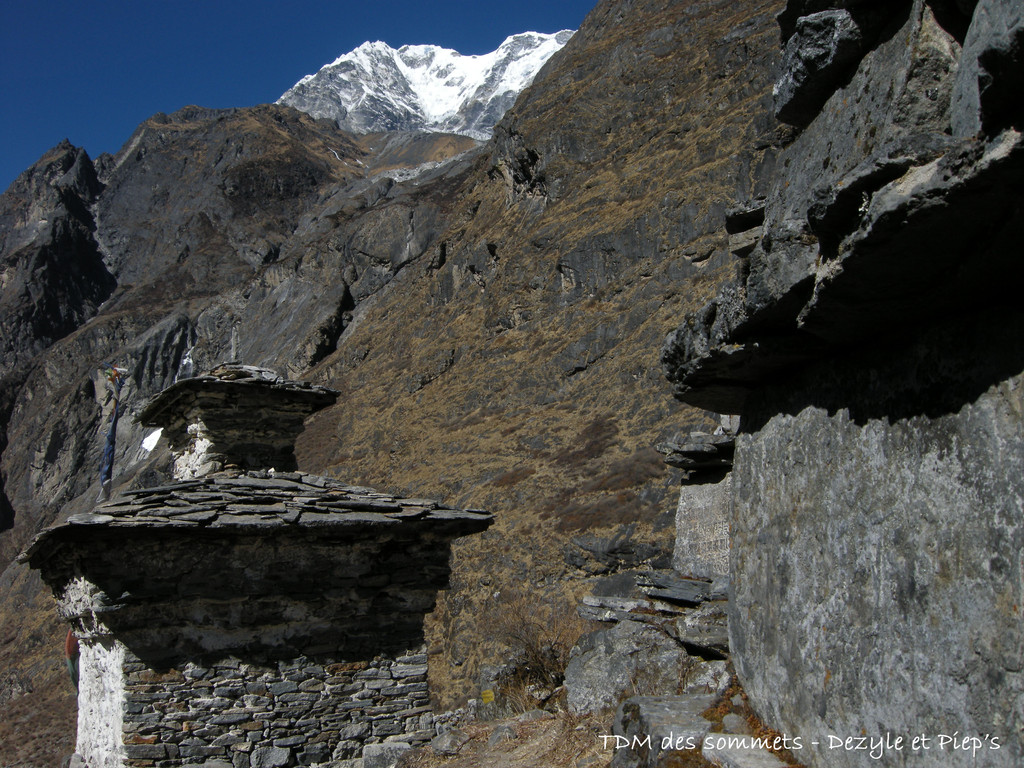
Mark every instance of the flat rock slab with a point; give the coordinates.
(705, 628)
(677, 589)
(729, 756)
(654, 725)
(384, 755)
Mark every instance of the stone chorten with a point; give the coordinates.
(248, 617)
(235, 416)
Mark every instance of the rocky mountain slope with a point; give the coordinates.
(423, 87)
(492, 318)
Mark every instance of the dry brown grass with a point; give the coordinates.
(538, 635)
(38, 705)
(38, 729)
(724, 706)
(685, 758)
(593, 441)
(627, 472)
(513, 476)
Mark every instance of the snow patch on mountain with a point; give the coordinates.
(376, 88)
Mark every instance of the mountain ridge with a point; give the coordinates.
(376, 88)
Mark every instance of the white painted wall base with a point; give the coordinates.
(101, 703)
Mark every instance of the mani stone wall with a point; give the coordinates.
(702, 529)
(878, 548)
(872, 345)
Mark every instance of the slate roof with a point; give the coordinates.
(239, 381)
(260, 501)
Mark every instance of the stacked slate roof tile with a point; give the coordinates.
(260, 501)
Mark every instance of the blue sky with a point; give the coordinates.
(91, 70)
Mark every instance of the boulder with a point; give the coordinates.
(650, 726)
(384, 755)
(627, 659)
(990, 79)
(449, 742)
(500, 735)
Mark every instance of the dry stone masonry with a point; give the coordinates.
(295, 712)
(236, 415)
(250, 618)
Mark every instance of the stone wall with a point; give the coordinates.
(872, 347)
(271, 652)
(302, 711)
(878, 547)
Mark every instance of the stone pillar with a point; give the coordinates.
(702, 517)
(702, 529)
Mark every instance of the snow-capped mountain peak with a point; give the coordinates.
(376, 88)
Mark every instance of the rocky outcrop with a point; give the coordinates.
(54, 278)
(52, 275)
(866, 200)
(984, 96)
(822, 48)
(874, 514)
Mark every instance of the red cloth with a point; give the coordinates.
(71, 646)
